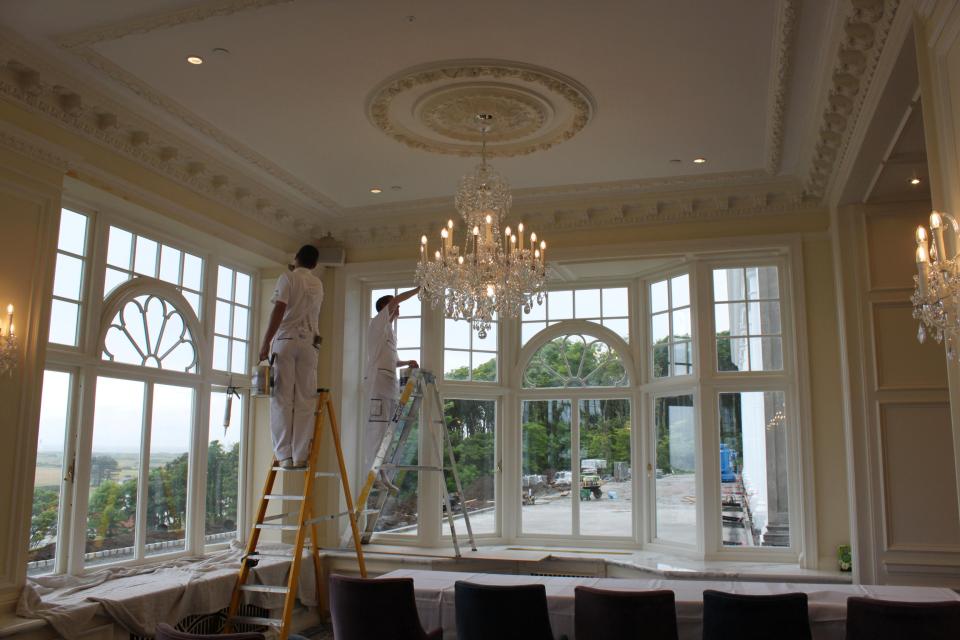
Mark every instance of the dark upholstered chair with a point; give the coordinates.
(627, 615)
(487, 612)
(883, 620)
(364, 609)
(731, 616)
(166, 632)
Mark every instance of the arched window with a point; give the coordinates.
(575, 360)
(151, 332)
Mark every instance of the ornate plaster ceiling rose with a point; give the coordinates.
(433, 107)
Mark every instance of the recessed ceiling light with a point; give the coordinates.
(194, 59)
(915, 181)
(699, 160)
(376, 190)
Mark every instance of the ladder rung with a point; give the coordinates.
(299, 470)
(272, 554)
(280, 496)
(281, 515)
(329, 516)
(282, 527)
(327, 474)
(263, 588)
(260, 622)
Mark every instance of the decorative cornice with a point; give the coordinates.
(785, 30)
(773, 197)
(43, 89)
(35, 148)
(865, 28)
(146, 24)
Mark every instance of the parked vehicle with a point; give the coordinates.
(590, 484)
(562, 479)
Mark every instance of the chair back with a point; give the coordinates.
(516, 612)
(883, 619)
(362, 609)
(732, 616)
(630, 615)
(166, 632)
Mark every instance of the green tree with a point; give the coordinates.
(102, 468)
(43, 520)
(112, 510)
(222, 483)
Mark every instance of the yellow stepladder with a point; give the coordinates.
(305, 518)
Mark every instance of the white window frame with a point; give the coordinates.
(85, 363)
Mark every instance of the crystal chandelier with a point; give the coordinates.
(489, 273)
(936, 299)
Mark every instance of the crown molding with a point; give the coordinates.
(36, 148)
(768, 197)
(865, 27)
(780, 70)
(43, 88)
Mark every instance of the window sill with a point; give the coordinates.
(11, 625)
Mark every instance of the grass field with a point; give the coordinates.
(50, 465)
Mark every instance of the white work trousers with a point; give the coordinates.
(294, 400)
(382, 392)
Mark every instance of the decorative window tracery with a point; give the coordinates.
(149, 331)
(575, 360)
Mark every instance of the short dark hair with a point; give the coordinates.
(382, 302)
(307, 256)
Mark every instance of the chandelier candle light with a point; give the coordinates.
(489, 273)
(936, 299)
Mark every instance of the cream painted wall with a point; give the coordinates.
(29, 212)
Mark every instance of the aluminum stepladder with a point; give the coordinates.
(389, 457)
(305, 518)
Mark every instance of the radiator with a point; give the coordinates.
(212, 623)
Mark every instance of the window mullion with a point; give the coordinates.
(81, 483)
(143, 484)
(575, 464)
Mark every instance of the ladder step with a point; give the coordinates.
(260, 622)
(272, 554)
(300, 470)
(327, 474)
(329, 516)
(263, 588)
(280, 496)
(278, 516)
(281, 527)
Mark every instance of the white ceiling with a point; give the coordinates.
(672, 80)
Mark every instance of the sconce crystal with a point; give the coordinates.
(8, 345)
(936, 298)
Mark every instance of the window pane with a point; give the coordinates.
(114, 471)
(766, 354)
(732, 354)
(680, 290)
(620, 326)
(375, 295)
(240, 319)
(456, 365)
(537, 311)
(660, 327)
(148, 331)
(194, 301)
(409, 354)
(63, 322)
(530, 329)
(223, 469)
(113, 279)
(145, 257)
(472, 427)
(68, 276)
(238, 357)
(410, 307)
(456, 334)
(615, 303)
(224, 283)
(400, 514)
(769, 315)
(547, 506)
(408, 333)
(661, 361)
(731, 319)
(575, 361)
(221, 352)
(490, 342)
(222, 322)
(753, 469)
(588, 303)
(241, 292)
(119, 248)
(170, 431)
(762, 283)
(73, 232)
(484, 366)
(169, 264)
(606, 493)
(728, 285)
(681, 324)
(659, 297)
(192, 272)
(54, 409)
(682, 359)
(676, 479)
(560, 305)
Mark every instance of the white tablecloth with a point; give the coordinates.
(827, 602)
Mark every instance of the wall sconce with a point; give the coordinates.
(8, 344)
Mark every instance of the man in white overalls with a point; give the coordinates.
(294, 334)
(380, 385)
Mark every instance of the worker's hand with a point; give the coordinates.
(413, 363)
(264, 353)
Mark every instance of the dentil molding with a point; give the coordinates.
(866, 25)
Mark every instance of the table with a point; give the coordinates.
(827, 602)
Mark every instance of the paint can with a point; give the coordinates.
(264, 375)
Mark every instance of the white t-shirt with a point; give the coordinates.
(381, 352)
(302, 292)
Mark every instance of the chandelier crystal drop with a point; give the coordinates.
(936, 298)
(494, 271)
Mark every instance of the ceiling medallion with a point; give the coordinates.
(433, 107)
